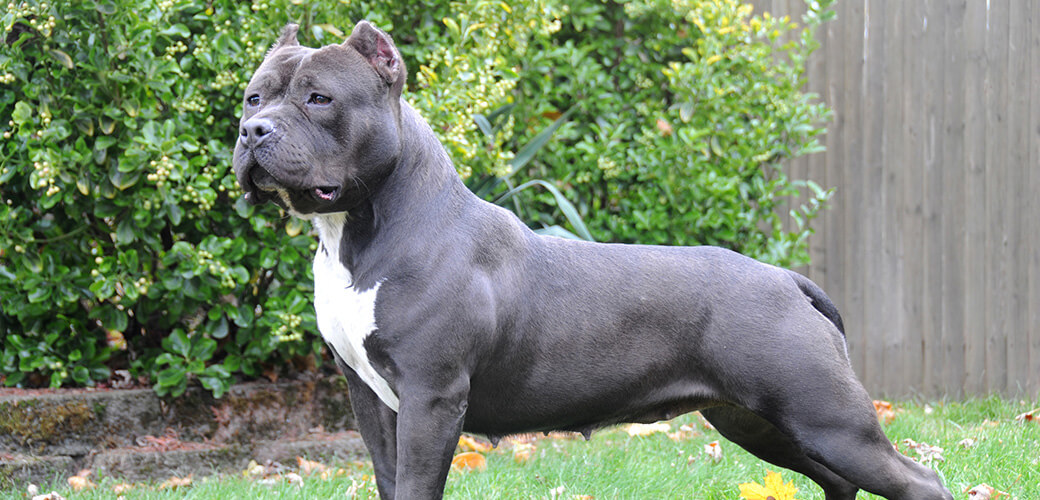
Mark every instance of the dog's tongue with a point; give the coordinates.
(325, 193)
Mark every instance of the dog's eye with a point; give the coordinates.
(319, 100)
(253, 100)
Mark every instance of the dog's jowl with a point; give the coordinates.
(446, 313)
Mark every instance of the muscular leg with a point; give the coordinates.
(378, 426)
(761, 439)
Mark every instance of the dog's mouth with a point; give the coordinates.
(267, 187)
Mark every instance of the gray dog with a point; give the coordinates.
(446, 314)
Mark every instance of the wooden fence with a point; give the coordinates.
(932, 247)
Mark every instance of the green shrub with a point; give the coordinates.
(124, 242)
(685, 111)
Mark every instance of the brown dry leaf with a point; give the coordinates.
(469, 461)
(884, 411)
(470, 443)
(984, 492)
(647, 429)
(175, 482)
(121, 488)
(1029, 416)
(80, 481)
(308, 467)
(552, 115)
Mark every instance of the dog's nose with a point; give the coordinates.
(255, 130)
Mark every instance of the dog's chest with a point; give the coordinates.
(346, 315)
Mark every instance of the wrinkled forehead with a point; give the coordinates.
(297, 66)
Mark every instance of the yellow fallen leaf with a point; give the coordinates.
(773, 488)
(253, 469)
(647, 429)
(523, 452)
(308, 467)
(470, 443)
(469, 461)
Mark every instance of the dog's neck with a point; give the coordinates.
(423, 191)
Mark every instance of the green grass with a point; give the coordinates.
(616, 465)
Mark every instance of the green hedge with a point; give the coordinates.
(124, 241)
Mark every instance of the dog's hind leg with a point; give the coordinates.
(766, 442)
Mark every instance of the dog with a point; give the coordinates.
(447, 314)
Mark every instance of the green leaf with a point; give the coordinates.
(203, 349)
(527, 153)
(565, 206)
(22, 113)
(178, 343)
(177, 29)
(62, 58)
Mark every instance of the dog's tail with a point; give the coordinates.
(819, 300)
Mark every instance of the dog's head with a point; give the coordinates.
(320, 127)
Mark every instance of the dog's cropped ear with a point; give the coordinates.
(287, 38)
(378, 48)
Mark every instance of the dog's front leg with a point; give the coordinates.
(378, 426)
(428, 426)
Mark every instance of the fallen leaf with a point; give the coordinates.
(552, 115)
(647, 429)
(121, 488)
(984, 492)
(294, 479)
(968, 443)
(926, 453)
(469, 461)
(32, 490)
(253, 469)
(1029, 416)
(80, 482)
(557, 492)
(714, 451)
(523, 452)
(685, 432)
(49, 496)
(470, 443)
(773, 488)
(308, 467)
(175, 482)
(884, 411)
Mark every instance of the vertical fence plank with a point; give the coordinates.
(853, 161)
(952, 288)
(832, 228)
(994, 245)
(1017, 155)
(1032, 259)
(911, 164)
(974, 242)
(889, 256)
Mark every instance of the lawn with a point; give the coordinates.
(982, 442)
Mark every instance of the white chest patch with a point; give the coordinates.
(346, 316)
